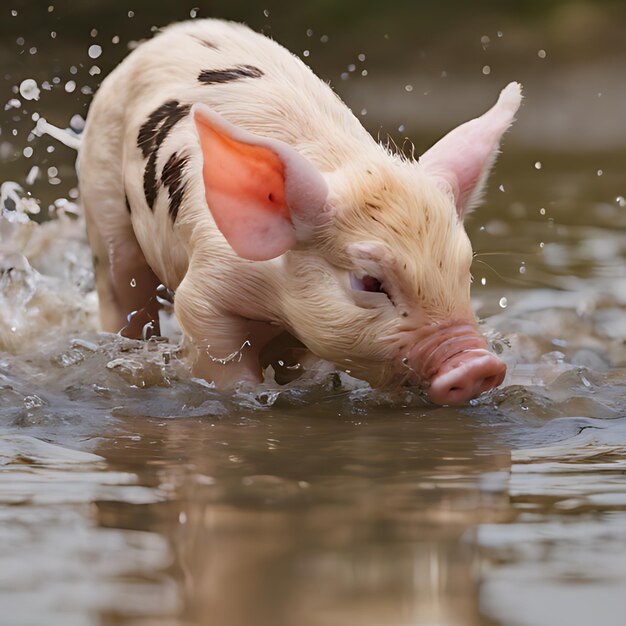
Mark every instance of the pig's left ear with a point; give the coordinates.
(264, 196)
(465, 156)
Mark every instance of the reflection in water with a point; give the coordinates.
(563, 557)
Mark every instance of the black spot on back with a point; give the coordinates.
(212, 77)
(204, 42)
(127, 203)
(149, 129)
(172, 177)
(151, 135)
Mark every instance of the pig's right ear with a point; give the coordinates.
(263, 195)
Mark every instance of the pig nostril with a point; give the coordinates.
(455, 388)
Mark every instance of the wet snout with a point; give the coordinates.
(465, 376)
(455, 364)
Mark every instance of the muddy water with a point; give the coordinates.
(131, 493)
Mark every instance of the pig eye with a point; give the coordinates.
(367, 283)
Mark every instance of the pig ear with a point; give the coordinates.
(465, 156)
(263, 195)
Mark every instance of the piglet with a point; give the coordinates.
(216, 163)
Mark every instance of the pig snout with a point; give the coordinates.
(456, 365)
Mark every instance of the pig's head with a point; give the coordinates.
(375, 256)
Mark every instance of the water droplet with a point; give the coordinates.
(364, 73)
(537, 165)
(541, 244)
(345, 76)
(324, 38)
(194, 13)
(94, 51)
(361, 57)
(306, 53)
(94, 70)
(363, 111)
(483, 281)
(53, 34)
(77, 123)
(503, 303)
(29, 90)
(542, 211)
(20, 41)
(52, 172)
(309, 32)
(70, 86)
(14, 13)
(401, 128)
(351, 67)
(621, 201)
(94, 32)
(28, 152)
(501, 188)
(522, 269)
(32, 176)
(131, 14)
(486, 70)
(599, 172)
(485, 40)
(500, 34)
(182, 516)
(408, 88)
(73, 70)
(115, 39)
(542, 54)
(266, 12)
(50, 8)
(33, 50)
(133, 282)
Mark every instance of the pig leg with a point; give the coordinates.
(125, 283)
(225, 347)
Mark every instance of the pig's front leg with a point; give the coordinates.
(224, 347)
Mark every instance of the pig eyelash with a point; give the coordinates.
(367, 283)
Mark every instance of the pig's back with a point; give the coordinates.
(250, 80)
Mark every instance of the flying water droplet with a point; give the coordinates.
(94, 51)
(503, 303)
(29, 90)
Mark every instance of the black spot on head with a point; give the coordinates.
(212, 77)
(172, 177)
(151, 135)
